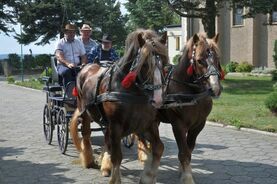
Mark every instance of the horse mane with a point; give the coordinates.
(152, 45)
(187, 50)
(215, 46)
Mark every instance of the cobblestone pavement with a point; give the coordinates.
(222, 156)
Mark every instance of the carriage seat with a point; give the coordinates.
(56, 78)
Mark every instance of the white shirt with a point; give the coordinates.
(72, 50)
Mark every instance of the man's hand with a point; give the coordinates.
(70, 65)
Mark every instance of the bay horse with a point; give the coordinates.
(124, 98)
(191, 84)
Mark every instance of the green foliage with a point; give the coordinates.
(274, 75)
(7, 15)
(14, 61)
(271, 102)
(32, 83)
(176, 59)
(275, 54)
(10, 79)
(244, 67)
(153, 14)
(47, 72)
(231, 67)
(43, 60)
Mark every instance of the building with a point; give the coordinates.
(251, 40)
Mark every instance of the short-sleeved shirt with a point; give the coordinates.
(72, 50)
(89, 45)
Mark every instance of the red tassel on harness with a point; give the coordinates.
(222, 75)
(190, 70)
(129, 79)
(75, 92)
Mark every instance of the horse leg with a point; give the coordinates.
(192, 135)
(86, 154)
(143, 149)
(184, 154)
(152, 163)
(106, 163)
(116, 153)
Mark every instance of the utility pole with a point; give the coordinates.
(21, 57)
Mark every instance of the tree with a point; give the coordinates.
(153, 14)
(44, 20)
(207, 10)
(7, 16)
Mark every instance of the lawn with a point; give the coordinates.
(242, 103)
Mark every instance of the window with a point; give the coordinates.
(178, 43)
(237, 15)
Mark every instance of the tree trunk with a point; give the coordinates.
(209, 20)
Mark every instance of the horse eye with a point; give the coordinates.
(203, 63)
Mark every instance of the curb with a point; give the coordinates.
(241, 129)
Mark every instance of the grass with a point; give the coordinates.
(32, 83)
(242, 103)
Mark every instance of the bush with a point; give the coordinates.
(244, 67)
(176, 59)
(275, 54)
(274, 75)
(271, 102)
(10, 79)
(14, 61)
(231, 67)
(43, 60)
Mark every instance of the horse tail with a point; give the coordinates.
(74, 130)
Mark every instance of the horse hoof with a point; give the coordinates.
(106, 173)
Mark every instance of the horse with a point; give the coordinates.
(190, 86)
(124, 98)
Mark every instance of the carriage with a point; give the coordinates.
(59, 107)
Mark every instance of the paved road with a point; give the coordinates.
(222, 156)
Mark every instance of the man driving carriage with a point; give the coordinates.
(70, 53)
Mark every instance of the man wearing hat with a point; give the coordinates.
(70, 52)
(85, 38)
(104, 52)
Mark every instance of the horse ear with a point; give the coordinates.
(195, 38)
(216, 37)
(163, 38)
(141, 40)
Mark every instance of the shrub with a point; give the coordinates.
(274, 75)
(14, 61)
(244, 67)
(43, 60)
(231, 67)
(176, 59)
(10, 79)
(275, 54)
(271, 102)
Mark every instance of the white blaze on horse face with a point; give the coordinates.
(157, 97)
(215, 85)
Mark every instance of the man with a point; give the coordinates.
(104, 52)
(70, 52)
(85, 38)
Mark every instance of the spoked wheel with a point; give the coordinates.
(62, 130)
(129, 140)
(47, 124)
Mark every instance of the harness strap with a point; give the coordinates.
(181, 99)
(122, 97)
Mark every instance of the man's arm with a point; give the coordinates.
(60, 57)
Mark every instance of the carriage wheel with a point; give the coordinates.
(47, 124)
(62, 130)
(129, 140)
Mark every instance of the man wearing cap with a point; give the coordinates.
(104, 52)
(70, 52)
(85, 38)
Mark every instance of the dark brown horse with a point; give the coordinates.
(188, 102)
(123, 98)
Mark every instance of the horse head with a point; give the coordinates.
(146, 55)
(202, 62)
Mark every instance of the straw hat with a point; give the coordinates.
(69, 27)
(86, 27)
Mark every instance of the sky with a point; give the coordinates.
(9, 45)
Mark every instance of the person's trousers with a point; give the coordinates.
(67, 74)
